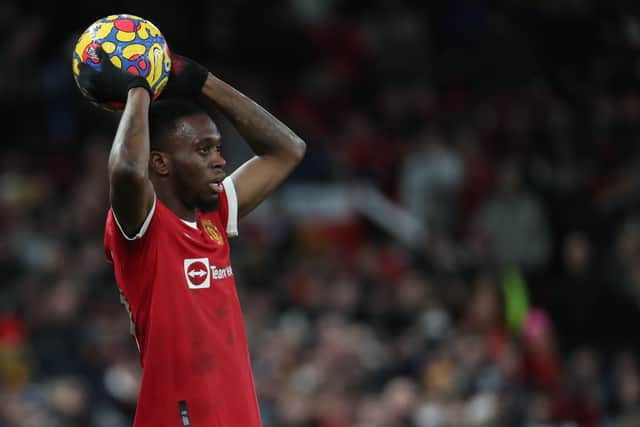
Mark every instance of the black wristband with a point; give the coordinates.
(139, 81)
(187, 78)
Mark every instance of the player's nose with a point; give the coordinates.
(218, 161)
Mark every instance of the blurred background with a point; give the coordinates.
(460, 247)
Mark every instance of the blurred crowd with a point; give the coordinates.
(508, 128)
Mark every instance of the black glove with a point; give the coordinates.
(186, 79)
(110, 84)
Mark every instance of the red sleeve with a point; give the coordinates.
(128, 255)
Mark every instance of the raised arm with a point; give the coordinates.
(131, 192)
(278, 150)
(130, 189)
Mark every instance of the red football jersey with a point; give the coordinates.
(178, 286)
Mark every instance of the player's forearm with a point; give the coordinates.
(130, 149)
(263, 132)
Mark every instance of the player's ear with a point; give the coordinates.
(159, 163)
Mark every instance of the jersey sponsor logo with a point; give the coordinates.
(222, 272)
(196, 272)
(212, 231)
(199, 273)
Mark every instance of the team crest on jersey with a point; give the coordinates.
(212, 231)
(196, 271)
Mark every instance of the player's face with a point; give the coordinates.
(198, 165)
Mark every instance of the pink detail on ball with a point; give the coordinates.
(133, 70)
(142, 64)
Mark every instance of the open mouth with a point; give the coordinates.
(216, 185)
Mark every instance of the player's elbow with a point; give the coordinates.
(298, 150)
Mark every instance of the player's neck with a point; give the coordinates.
(175, 205)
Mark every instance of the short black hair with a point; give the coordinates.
(164, 115)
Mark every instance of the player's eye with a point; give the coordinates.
(205, 149)
(218, 148)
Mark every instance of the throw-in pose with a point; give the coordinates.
(172, 209)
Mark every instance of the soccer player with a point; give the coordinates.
(172, 209)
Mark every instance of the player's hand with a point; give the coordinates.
(110, 84)
(186, 79)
